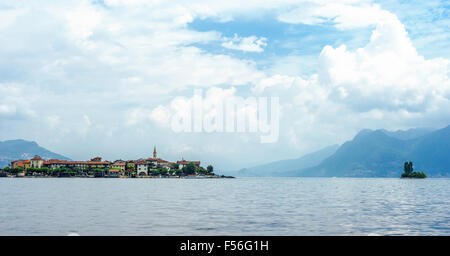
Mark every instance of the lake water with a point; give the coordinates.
(242, 206)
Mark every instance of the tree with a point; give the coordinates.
(202, 170)
(155, 172)
(408, 171)
(16, 170)
(190, 168)
(45, 170)
(210, 169)
(164, 171)
(408, 167)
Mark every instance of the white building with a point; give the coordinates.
(141, 168)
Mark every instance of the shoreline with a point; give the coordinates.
(125, 177)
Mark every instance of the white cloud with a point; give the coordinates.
(87, 121)
(15, 102)
(8, 16)
(246, 44)
(83, 20)
(161, 115)
(92, 72)
(53, 121)
(387, 73)
(343, 15)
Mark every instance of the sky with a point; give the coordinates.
(104, 77)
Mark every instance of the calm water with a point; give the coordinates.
(243, 206)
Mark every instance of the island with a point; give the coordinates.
(408, 172)
(152, 167)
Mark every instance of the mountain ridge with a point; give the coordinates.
(371, 153)
(11, 150)
(379, 154)
(287, 166)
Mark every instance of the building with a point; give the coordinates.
(119, 165)
(130, 165)
(141, 167)
(155, 163)
(80, 165)
(112, 173)
(183, 163)
(24, 164)
(37, 162)
(97, 162)
(94, 163)
(56, 163)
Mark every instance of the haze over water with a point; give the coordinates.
(242, 206)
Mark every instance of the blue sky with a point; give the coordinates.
(86, 78)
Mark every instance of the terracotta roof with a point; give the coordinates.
(113, 170)
(141, 162)
(156, 159)
(37, 158)
(92, 162)
(57, 161)
(20, 163)
(187, 162)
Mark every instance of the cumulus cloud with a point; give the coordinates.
(112, 73)
(387, 73)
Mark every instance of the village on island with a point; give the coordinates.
(153, 167)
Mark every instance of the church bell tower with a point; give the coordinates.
(154, 152)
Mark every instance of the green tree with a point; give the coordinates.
(190, 168)
(45, 170)
(408, 167)
(408, 171)
(155, 172)
(164, 171)
(16, 170)
(210, 169)
(202, 170)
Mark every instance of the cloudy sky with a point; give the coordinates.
(103, 77)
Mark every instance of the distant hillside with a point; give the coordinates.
(408, 134)
(381, 154)
(287, 167)
(21, 149)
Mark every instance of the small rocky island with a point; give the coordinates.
(408, 172)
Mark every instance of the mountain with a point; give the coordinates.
(287, 167)
(408, 134)
(431, 153)
(381, 154)
(21, 149)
